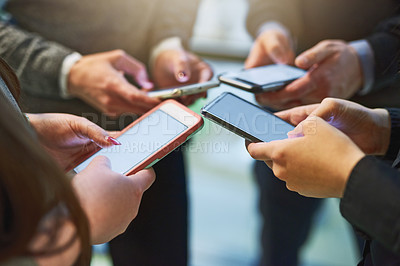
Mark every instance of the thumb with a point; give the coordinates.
(314, 55)
(143, 179)
(296, 132)
(181, 67)
(306, 127)
(100, 162)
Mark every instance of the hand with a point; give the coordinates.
(271, 47)
(368, 128)
(98, 79)
(179, 67)
(334, 70)
(68, 138)
(315, 165)
(110, 200)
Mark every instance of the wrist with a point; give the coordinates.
(366, 60)
(354, 155)
(68, 63)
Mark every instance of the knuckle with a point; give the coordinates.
(111, 82)
(331, 103)
(290, 186)
(106, 101)
(278, 155)
(280, 173)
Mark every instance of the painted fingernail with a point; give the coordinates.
(181, 75)
(113, 141)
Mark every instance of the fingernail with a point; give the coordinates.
(181, 75)
(113, 140)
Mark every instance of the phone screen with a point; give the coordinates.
(140, 141)
(249, 118)
(270, 74)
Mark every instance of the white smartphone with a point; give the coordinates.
(183, 90)
(149, 138)
(264, 78)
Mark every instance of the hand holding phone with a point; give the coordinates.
(264, 78)
(246, 119)
(150, 138)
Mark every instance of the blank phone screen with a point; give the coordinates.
(271, 74)
(140, 141)
(250, 118)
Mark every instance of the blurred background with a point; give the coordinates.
(224, 221)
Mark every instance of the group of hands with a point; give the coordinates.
(335, 134)
(109, 199)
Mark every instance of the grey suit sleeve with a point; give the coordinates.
(36, 61)
(286, 12)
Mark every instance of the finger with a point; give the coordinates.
(99, 162)
(297, 114)
(86, 129)
(143, 179)
(181, 67)
(327, 108)
(315, 55)
(296, 132)
(292, 92)
(188, 99)
(261, 151)
(117, 105)
(206, 72)
(133, 95)
(257, 56)
(133, 67)
(279, 51)
(307, 127)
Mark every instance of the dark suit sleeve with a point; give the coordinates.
(385, 41)
(36, 61)
(371, 201)
(394, 145)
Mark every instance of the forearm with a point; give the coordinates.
(37, 62)
(371, 201)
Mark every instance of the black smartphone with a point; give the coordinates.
(264, 78)
(246, 119)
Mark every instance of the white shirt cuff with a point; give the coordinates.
(67, 64)
(172, 43)
(366, 56)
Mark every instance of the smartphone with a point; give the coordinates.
(264, 78)
(246, 119)
(183, 90)
(149, 138)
